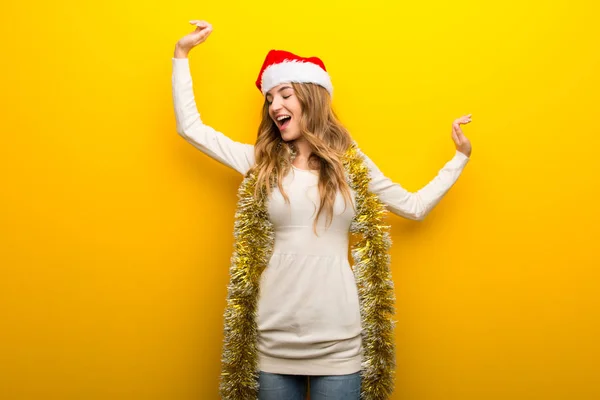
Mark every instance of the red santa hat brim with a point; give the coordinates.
(283, 67)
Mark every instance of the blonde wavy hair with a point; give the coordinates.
(328, 140)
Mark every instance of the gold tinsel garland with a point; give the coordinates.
(254, 239)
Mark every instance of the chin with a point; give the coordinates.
(289, 137)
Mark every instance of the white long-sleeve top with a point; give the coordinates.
(308, 311)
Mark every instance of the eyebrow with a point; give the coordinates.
(280, 89)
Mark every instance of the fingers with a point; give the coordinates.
(455, 137)
(456, 129)
(200, 24)
(463, 120)
(457, 133)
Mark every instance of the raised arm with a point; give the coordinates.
(415, 205)
(236, 155)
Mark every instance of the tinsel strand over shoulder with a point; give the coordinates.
(254, 240)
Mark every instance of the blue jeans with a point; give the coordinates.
(322, 387)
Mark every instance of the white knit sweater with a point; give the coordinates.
(308, 311)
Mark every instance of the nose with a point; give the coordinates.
(276, 104)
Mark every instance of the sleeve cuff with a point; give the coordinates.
(461, 156)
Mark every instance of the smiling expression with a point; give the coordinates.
(285, 110)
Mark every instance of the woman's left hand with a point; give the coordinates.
(463, 144)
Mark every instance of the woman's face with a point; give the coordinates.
(285, 110)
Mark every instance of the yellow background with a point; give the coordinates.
(115, 234)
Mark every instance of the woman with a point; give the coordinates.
(298, 315)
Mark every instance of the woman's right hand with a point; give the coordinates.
(194, 38)
(463, 144)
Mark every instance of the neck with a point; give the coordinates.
(303, 149)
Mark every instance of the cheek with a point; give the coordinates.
(297, 116)
(297, 108)
(294, 105)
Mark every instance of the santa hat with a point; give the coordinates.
(282, 66)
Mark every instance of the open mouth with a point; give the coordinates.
(283, 122)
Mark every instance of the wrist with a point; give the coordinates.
(180, 52)
(464, 153)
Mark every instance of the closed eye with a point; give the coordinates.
(285, 97)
